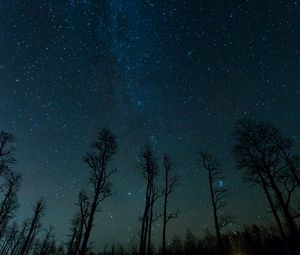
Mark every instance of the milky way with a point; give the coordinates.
(177, 74)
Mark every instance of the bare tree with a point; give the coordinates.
(171, 182)
(9, 239)
(148, 165)
(6, 152)
(47, 244)
(10, 184)
(292, 160)
(274, 208)
(9, 201)
(105, 147)
(153, 217)
(34, 227)
(78, 223)
(218, 194)
(20, 238)
(259, 152)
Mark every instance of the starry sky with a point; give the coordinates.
(175, 73)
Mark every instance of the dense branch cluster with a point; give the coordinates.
(267, 160)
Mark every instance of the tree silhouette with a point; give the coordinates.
(105, 147)
(274, 208)
(78, 223)
(170, 181)
(47, 245)
(148, 164)
(34, 227)
(218, 194)
(267, 160)
(259, 152)
(20, 238)
(9, 183)
(6, 152)
(292, 160)
(152, 217)
(9, 201)
(10, 238)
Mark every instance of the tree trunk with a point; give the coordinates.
(150, 226)
(216, 220)
(90, 222)
(275, 214)
(165, 219)
(28, 240)
(145, 220)
(291, 225)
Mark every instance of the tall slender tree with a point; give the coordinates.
(78, 223)
(20, 238)
(148, 164)
(274, 208)
(34, 227)
(218, 194)
(171, 181)
(105, 147)
(9, 239)
(46, 246)
(153, 217)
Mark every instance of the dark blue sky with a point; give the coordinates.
(175, 73)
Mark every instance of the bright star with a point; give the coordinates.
(221, 183)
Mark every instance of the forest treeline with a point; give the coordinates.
(265, 158)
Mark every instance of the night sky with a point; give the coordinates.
(177, 74)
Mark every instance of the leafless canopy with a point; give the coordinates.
(6, 152)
